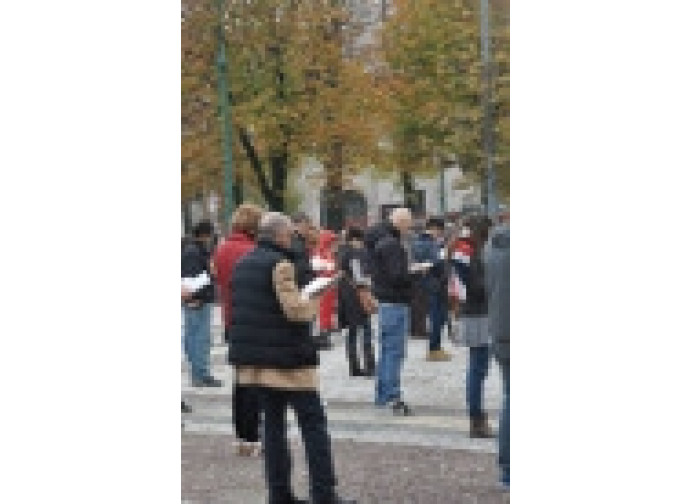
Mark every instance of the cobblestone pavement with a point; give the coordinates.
(370, 472)
(433, 442)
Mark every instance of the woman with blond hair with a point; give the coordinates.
(241, 240)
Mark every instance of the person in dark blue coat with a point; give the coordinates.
(429, 248)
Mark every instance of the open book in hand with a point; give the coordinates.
(194, 284)
(318, 286)
(319, 264)
(421, 267)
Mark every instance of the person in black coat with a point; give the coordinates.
(352, 263)
(198, 305)
(392, 286)
(304, 271)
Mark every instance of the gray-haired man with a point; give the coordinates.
(274, 352)
(393, 289)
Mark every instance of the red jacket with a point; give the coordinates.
(328, 300)
(226, 256)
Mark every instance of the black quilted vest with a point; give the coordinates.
(260, 334)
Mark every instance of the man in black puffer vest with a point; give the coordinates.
(272, 348)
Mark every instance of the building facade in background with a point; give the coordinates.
(367, 196)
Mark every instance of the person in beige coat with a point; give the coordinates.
(273, 350)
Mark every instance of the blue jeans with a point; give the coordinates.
(394, 325)
(504, 427)
(477, 372)
(197, 339)
(438, 316)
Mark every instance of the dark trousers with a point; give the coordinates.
(245, 413)
(438, 315)
(360, 352)
(418, 311)
(311, 418)
(504, 426)
(477, 371)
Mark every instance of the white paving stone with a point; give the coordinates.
(437, 384)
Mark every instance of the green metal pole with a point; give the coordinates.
(490, 193)
(226, 123)
(443, 189)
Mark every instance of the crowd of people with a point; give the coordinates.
(455, 273)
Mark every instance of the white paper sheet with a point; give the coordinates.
(194, 284)
(317, 286)
(319, 264)
(420, 267)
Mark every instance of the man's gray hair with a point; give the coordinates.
(271, 224)
(400, 214)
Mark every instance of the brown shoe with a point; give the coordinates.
(480, 428)
(245, 449)
(438, 356)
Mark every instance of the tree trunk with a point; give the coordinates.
(238, 191)
(332, 206)
(279, 172)
(408, 188)
(268, 192)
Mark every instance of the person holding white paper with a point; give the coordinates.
(273, 351)
(197, 304)
(324, 260)
(392, 282)
(351, 313)
(474, 322)
(428, 249)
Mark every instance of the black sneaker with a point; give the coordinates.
(336, 500)
(399, 408)
(209, 381)
(340, 500)
(290, 500)
(186, 408)
(323, 341)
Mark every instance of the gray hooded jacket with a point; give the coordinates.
(497, 256)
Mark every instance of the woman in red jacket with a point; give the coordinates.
(245, 406)
(323, 263)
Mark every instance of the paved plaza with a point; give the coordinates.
(425, 458)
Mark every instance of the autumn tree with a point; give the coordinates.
(293, 94)
(201, 147)
(434, 80)
(500, 81)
